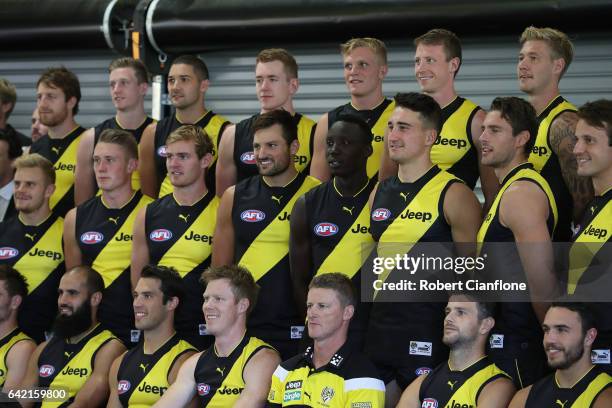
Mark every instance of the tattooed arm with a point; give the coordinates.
(562, 140)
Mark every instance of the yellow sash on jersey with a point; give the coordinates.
(187, 264)
(212, 129)
(83, 360)
(345, 257)
(468, 391)
(379, 129)
(455, 127)
(525, 173)
(305, 133)
(588, 246)
(276, 238)
(51, 244)
(401, 235)
(64, 178)
(108, 263)
(5, 348)
(541, 150)
(593, 389)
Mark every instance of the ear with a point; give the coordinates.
(348, 312)
(591, 334)
(132, 165)
(96, 298)
(454, 64)
(430, 136)
(71, 102)
(294, 85)
(521, 139)
(16, 302)
(294, 147)
(204, 85)
(6, 106)
(486, 325)
(382, 72)
(172, 303)
(368, 150)
(49, 190)
(206, 161)
(243, 305)
(558, 66)
(143, 88)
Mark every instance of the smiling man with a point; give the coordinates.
(236, 371)
(332, 372)
(98, 232)
(569, 332)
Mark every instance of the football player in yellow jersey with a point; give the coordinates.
(569, 332)
(79, 354)
(469, 378)
(128, 82)
(236, 371)
(544, 58)
(276, 82)
(15, 347)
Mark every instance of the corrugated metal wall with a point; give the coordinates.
(488, 70)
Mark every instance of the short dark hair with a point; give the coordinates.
(14, 146)
(445, 38)
(140, 70)
(241, 281)
(93, 280)
(339, 283)
(598, 114)
(199, 66)
(282, 55)
(169, 279)
(587, 318)
(521, 116)
(16, 284)
(365, 132)
(64, 79)
(426, 106)
(277, 117)
(485, 309)
(122, 138)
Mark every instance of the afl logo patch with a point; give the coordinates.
(325, 229)
(429, 403)
(380, 214)
(123, 386)
(203, 389)
(252, 216)
(161, 151)
(422, 370)
(91, 237)
(8, 253)
(248, 158)
(160, 235)
(46, 370)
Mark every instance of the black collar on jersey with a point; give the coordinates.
(552, 105)
(515, 170)
(421, 181)
(451, 108)
(335, 363)
(9, 336)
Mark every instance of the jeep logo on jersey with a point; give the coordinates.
(161, 151)
(160, 235)
(203, 389)
(8, 253)
(325, 229)
(450, 141)
(123, 386)
(46, 370)
(91, 237)
(380, 214)
(252, 216)
(429, 403)
(422, 370)
(539, 150)
(248, 158)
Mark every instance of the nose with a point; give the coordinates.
(578, 147)
(483, 136)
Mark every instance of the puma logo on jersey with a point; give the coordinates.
(404, 195)
(144, 367)
(348, 210)
(277, 199)
(67, 354)
(184, 217)
(451, 384)
(55, 150)
(592, 209)
(30, 237)
(114, 220)
(561, 404)
(220, 370)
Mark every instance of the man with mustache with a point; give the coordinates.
(79, 354)
(569, 332)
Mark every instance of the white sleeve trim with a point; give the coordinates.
(281, 373)
(364, 383)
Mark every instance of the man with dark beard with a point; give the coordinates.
(79, 354)
(469, 378)
(569, 333)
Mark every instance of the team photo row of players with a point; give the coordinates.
(290, 199)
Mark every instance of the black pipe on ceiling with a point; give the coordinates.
(41, 25)
(176, 26)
